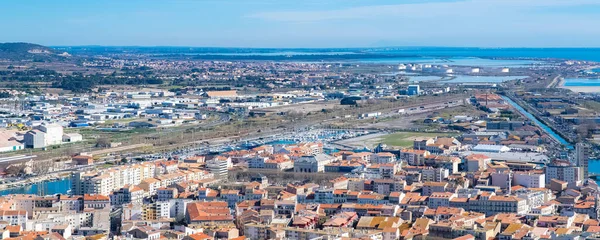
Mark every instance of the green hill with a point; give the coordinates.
(27, 51)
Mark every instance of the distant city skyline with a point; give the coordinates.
(303, 24)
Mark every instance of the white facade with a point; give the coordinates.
(72, 137)
(434, 174)
(569, 174)
(530, 180)
(314, 163)
(54, 133)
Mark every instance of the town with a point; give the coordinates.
(138, 145)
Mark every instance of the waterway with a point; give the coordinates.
(539, 123)
(60, 186)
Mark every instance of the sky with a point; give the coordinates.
(303, 23)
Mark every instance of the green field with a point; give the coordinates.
(405, 139)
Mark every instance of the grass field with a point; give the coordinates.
(405, 139)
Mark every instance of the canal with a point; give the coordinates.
(543, 126)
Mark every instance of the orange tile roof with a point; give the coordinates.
(209, 211)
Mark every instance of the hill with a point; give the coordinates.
(28, 51)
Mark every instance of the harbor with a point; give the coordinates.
(45, 187)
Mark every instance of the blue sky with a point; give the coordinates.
(303, 23)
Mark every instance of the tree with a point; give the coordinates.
(124, 160)
(102, 142)
(15, 170)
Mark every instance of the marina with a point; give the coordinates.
(50, 187)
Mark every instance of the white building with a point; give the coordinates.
(72, 137)
(530, 179)
(534, 198)
(434, 174)
(491, 148)
(54, 133)
(314, 163)
(440, 199)
(44, 135)
(567, 173)
(218, 168)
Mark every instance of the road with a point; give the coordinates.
(555, 82)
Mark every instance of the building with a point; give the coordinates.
(434, 174)
(414, 157)
(222, 94)
(312, 163)
(504, 125)
(530, 179)
(35, 139)
(383, 157)
(476, 162)
(491, 148)
(72, 137)
(413, 90)
(564, 171)
(45, 135)
(54, 133)
(218, 168)
(126, 195)
(212, 213)
(582, 159)
(8, 142)
(432, 187)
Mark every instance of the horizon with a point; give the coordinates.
(306, 24)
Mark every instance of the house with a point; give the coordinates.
(144, 232)
(212, 213)
(82, 160)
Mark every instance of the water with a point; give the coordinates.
(410, 54)
(581, 82)
(398, 73)
(594, 166)
(52, 187)
(282, 142)
(424, 78)
(539, 123)
(453, 61)
(586, 54)
(484, 79)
